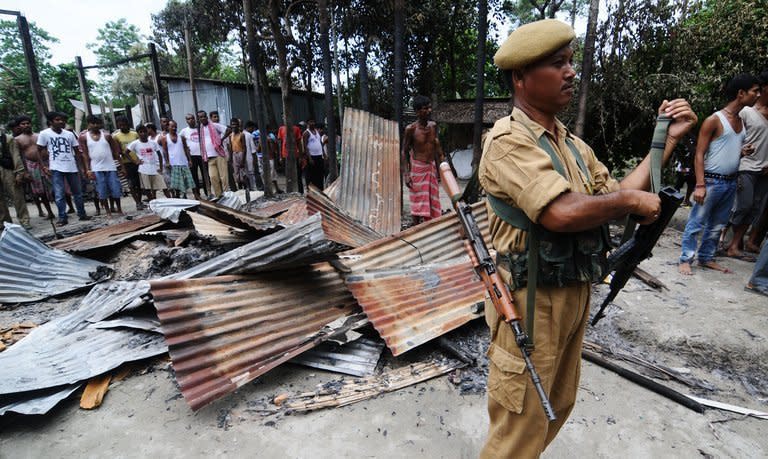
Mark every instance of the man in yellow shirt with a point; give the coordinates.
(128, 160)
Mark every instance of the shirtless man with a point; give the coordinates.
(26, 140)
(718, 152)
(420, 173)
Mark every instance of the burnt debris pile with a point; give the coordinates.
(232, 289)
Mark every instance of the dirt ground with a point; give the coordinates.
(705, 327)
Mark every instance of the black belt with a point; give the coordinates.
(720, 176)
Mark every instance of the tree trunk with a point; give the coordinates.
(309, 69)
(482, 33)
(399, 54)
(325, 49)
(574, 7)
(586, 66)
(362, 63)
(399, 71)
(291, 174)
(255, 63)
(266, 94)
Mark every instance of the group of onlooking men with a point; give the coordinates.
(730, 186)
(204, 155)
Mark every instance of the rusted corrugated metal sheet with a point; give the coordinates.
(296, 213)
(337, 224)
(238, 218)
(225, 331)
(32, 271)
(369, 187)
(411, 306)
(432, 241)
(224, 233)
(273, 208)
(296, 245)
(332, 190)
(358, 358)
(109, 235)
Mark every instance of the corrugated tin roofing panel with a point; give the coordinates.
(296, 213)
(32, 271)
(296, 245)
(369, 187)
(272, 208)
(72, 347)
(109, 235)
(238, 217)
(432, 241)
(40, 403)
(358, 358)
(411, 306)
(225, 331)
(337, 224)
(171, 208)
(224, 233)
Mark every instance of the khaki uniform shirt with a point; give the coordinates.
(517, 170)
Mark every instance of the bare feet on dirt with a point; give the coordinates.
(685, 269)
(715, 266)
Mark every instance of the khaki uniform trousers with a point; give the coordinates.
(518, 426)
(219, 174)
(9, 188)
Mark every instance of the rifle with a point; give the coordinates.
(497, 289)
(628, 255)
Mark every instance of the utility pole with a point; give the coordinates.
(339, 92)
(189, 64)
(34, 76)
(83, 86)
(156, 82)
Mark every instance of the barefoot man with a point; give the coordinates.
(718, 152)
(27, 143)
(420, 173)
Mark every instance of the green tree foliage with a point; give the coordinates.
(15, 93)
(115, 41)
(651, 50)
(213, 27)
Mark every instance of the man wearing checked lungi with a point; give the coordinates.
(420, 173)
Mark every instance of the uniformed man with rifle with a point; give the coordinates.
(549, 199)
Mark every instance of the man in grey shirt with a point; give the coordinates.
(752, 189)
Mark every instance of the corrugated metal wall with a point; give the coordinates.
(233, 100)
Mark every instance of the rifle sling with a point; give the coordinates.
(515, 217)
(658, 141)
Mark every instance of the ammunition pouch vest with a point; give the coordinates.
(551, 259)
(562, 258)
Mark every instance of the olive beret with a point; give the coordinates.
(532, 42)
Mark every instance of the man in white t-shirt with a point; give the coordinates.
(197, 165)
(62, 148)
(150, 163)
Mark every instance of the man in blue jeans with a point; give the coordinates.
(58, 148)
(716, 165)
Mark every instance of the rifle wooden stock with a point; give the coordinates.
(497, 289)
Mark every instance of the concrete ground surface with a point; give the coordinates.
(705, 326)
